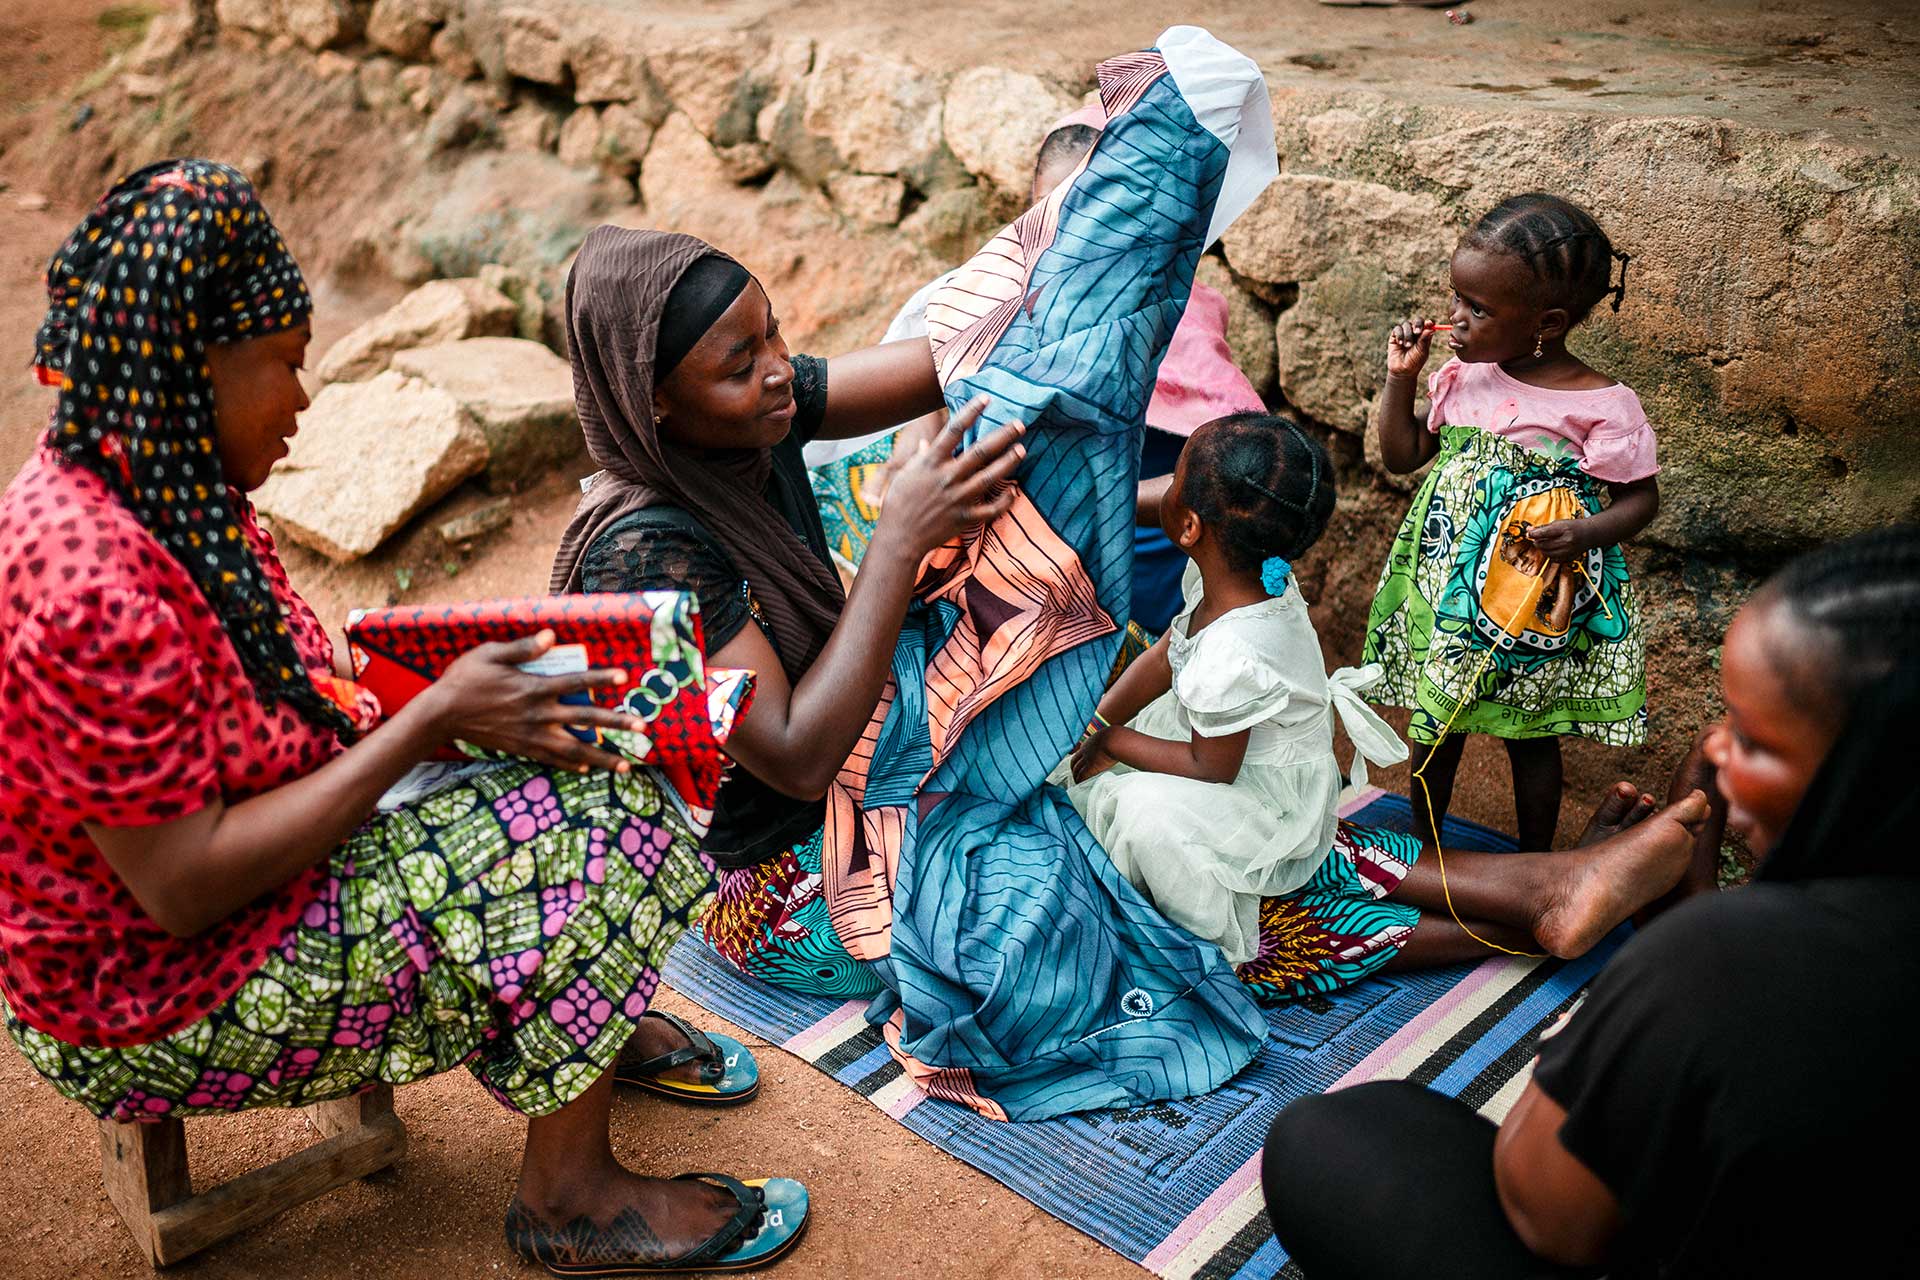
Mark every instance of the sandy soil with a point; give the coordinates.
(886, 1203)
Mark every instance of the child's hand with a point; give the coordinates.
(1408, 346)
(1090, 757)
(1561, 541)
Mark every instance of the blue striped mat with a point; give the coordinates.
(1175, 1186)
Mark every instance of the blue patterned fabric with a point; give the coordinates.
(1018, 955)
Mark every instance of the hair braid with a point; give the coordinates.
(1561, 244)
(1262, 485)
(1864, 593)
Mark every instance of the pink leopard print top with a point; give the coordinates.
(123, 704)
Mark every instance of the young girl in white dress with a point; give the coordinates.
(1209, 774)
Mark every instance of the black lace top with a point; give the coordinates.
(666, 549)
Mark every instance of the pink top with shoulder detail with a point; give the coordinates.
(122, 703)
(1605, 428)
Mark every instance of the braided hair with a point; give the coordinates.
(175, 256)
(1263, 486)
(1862, 596)
(1561, 244)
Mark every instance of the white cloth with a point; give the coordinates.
(1205, 853)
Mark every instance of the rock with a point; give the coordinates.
(952, 224)
(609, 62)
(519, 393)
(141, 88)
(746, 162)
(995, 119)
(168, 37)
(1303, 224)
(480, 521)
(460, 118)
(318, 24)
(330, 65)
(870, 199)
(704, 78)
(1249, 328)
(423, 88)
(30, 202)
(880, 114)
(405, 28)
(1826, 177)
(452, 54)
(532, 47)
(259, 16)
(530, 316)
(438, 311)
(579, 140)
(680, 165)
(1330, 345)
(626, 135)
(378, 82)
(531, 126)
(1335, 134)
(368, 457)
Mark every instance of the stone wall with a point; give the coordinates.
(1768, 324)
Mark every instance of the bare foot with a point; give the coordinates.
(1696, 774)
(614, 1215)
(1607, 882)
(654, 1036)
(1624, 805)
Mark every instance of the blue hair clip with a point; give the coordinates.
(1274, 571)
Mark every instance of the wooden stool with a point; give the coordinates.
(144, 1167)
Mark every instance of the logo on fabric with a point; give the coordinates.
(1136, 1004)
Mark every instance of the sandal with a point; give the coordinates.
(728, 1073)
(771, 1217)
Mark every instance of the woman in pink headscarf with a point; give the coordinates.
(1198, 382)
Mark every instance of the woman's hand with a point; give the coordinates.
(936, 496)
(1408, 346)
(1090, 755)
(484, 698)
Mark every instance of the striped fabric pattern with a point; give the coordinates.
(1175, 1185)
(1024, 975)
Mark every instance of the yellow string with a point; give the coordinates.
(1420, 776)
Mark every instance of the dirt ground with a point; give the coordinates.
(886, 1203)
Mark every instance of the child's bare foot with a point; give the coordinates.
(1623, 806)
(1607, 882)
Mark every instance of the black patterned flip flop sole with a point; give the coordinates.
(749, 1264)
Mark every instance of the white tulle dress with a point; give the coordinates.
(1205, 853)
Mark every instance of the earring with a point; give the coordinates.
(1538, 349)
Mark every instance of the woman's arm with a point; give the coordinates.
(1558, 1207)
(193, 872)
(795, 737)
(873, 389)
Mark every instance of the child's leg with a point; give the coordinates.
(1437, 772)
(1536, 789)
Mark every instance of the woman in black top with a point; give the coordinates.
(1734, 1096)
(692, 404)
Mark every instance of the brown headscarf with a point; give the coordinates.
(616, 295)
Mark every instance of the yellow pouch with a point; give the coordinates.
(1524, 590)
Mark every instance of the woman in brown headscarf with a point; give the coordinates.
(697, 413)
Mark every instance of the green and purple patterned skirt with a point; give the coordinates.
(1454, 568)
(515, 924)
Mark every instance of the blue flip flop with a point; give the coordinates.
(770, 1219)
(728, 1073)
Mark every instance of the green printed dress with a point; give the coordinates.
(1476, 631)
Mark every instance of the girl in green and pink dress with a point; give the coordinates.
(1505, 606)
